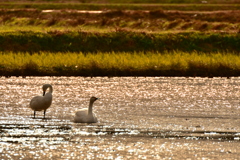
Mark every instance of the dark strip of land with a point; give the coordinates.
(121, 41)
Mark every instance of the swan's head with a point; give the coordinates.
(93, 99)
(45, 87)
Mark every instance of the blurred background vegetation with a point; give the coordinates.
(102, 29)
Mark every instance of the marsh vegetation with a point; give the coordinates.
(120, 39)
(120, 64)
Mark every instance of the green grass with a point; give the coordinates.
(119, 41)
(174, 63)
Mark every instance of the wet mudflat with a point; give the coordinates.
(139, 118)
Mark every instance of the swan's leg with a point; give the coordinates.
(44, 114)
(34, 114)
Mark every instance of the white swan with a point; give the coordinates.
(40, 103)
(86, 115)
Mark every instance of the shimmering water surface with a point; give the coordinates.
(139, 118)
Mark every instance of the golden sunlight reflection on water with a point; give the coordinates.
(139, 118)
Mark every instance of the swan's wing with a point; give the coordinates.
(81, 116)
(40, 103)
(95, 118)
(82, 113)
(36, 102)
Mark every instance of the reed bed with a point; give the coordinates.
(175, 63)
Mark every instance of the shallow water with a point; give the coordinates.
(139, 118)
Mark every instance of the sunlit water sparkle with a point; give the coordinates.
(139, 118)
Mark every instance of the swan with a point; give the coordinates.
(86, 115)
(40, 103)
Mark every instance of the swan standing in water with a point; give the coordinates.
(40, 103)
(86, 115)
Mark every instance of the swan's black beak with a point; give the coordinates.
(43, 93)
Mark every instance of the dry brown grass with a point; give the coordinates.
(157, 20)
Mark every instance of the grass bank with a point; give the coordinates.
(174, 63)
(120, 41)
(110, 20)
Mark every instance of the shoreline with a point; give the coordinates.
(7, 75)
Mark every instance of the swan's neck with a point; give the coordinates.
(90, 108)
(50, 89)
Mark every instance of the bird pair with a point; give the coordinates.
(40, 103)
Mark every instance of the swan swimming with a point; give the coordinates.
(40, 103)
(86, 115)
